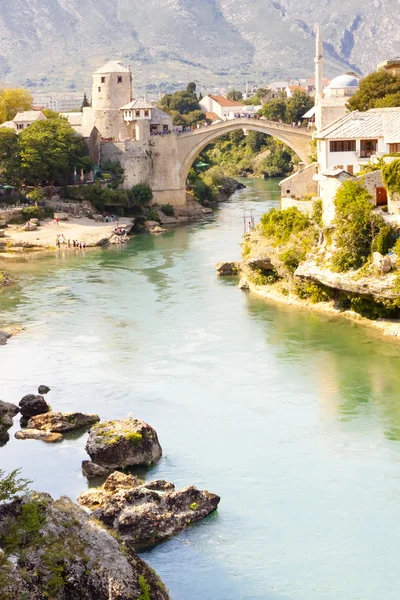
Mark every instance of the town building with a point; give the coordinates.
(223, 107)
(392, 66)
(290, 89)
(58, 101)
(22, 120)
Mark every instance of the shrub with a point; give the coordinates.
(168, 210)
(141, 194)
(12, 485)
(391, 176)
(281, 224)
(292, 257)
(260, 277)
(203, 192)
(313, 292)
(31, 212)
(317, 210)
(35, 195)
(384, 240)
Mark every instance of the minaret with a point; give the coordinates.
(319, 86)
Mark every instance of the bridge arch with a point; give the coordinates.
(190, 144)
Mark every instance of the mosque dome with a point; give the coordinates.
(344, 81)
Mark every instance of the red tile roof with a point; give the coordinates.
(222, 101)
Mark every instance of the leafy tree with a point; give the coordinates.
(51, 114)
(9, 156)
(275, 110)
(235, 95)
(237, 137)
(140, 194)
(191, 88)
(85, 101)
(356, 226)
(195, 116)
(298, 105)
(374, 87)
(12, 485)
(388, 101)
(255, 140)
(277, 164)
(12, 101)
(391, 176)
(50, 150)
(182, 102)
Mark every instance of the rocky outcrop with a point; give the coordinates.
(43, 389)
(376, 286)
(90, 470)
(149, 513)
(122, 443)
(53, 549)
(35, 434)
(227, 269)
(32, 405)
(227, 188)
(4, 336)
(59, 422)
(7, 412)
(260, 262)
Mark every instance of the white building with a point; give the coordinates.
(352, 141)
(222, 107)
(22, 120)
(58, 101)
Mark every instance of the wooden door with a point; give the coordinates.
(381, 196)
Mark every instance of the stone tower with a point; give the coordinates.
(112, 89)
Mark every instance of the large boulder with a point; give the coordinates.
(226, 269)
(32, 405)
(260, 262)
(35, 434)
(7, 412)
(53, 549)
(91, 470)
(61, 422)
(381, 263)
(146, 514)
(122, 443)
(4, 336)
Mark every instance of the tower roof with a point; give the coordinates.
(114, 66)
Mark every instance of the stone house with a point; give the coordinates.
(221, 106)
(22, 120)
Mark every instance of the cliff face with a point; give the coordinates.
(57, 43)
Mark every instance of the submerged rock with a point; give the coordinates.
(4, 336)
(35, 434)
(62, 422)
(43, 389)
(149, 513)
(91, 470)
(32, 405)
(122, 443)
(53, 549)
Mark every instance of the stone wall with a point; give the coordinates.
(304, 206)
(301, 183)
(135, 158)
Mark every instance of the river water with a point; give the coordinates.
(293, 418)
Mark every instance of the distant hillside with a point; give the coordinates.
(57, 43)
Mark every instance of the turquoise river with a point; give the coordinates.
(292, 418)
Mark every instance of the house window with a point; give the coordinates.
(350, 169)
(119, 79)
(394, 148)
(138, 113)
(103, 80)
(368, 148)
(20, 126)
(146, 113)
(165, 128)
(99, 89)
(343, 146)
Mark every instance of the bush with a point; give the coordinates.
(281, 224)
(203, 192)
(35, 196)
(391, 176)
(12, 485)
(260, 277)
(313, 292)
(384, 240)
(168, 210)
(32, 212)
(317, 211)
(141, 194)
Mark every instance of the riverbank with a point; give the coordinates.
(83, 230)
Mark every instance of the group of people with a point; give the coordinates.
(61, 241)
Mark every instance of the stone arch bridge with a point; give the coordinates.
(173, 155)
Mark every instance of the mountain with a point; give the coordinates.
(56, 44)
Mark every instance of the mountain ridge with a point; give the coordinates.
(56, 44)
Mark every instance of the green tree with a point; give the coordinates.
(85, 101)
(237, 137)
(388, 101)
(298, 105)
(374, 87)
(191, 88)
(10, 164)
(357, 225)
(50, 150)
(182, 102)
(195, 116)
(277, 164)
(235, 95)
(275, 110)
(255, 140)
(12, 101)
(12, 485)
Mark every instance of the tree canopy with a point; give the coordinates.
(183, 102)
(298, 105)
(275, 110)
(235, 95)
(12, 101)
(377, 90)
